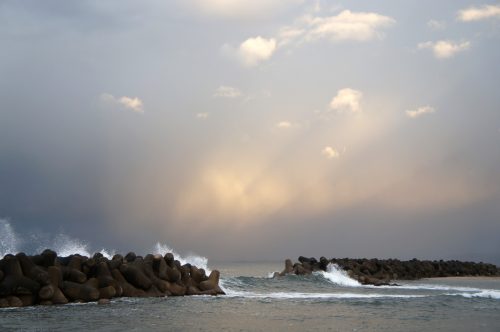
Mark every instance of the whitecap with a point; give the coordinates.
(487, 293)
(306, 296)
(338, 276)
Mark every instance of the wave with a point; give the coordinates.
(258, 288)
(467, 292)
(306, 296)
(338, 276)
(36, 242)
(196, 260)
(334, 284)
(65, 245)
(487, 294)
(429, 287)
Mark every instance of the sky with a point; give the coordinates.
(254, 130)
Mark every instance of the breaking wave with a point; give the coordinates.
(487, 293)
(338, 276)
(306, 296)
(196, 260)
(65, 245)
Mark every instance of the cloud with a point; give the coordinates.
(330, 152)
(420, 111)
(288, 35)
(134, 104)
(479, 13)
(225, 91)
(240, 8)
(284, 125)
(436, 25)
(445, 49)
(347, 100)
(202, 116)
(347, 25)
(255, 50)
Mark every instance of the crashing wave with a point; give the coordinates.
(338, 276)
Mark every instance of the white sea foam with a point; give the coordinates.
(338, 276)
(305, 296)
(468, 292)
(198, 261)
(487, 293)
(430, 287)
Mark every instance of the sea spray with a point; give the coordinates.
(338, 276)
(34, 242)
(193, 259)
(8, 239)
(65, 245)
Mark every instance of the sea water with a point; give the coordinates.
(254, 301)
(324, 301)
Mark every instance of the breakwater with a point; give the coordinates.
(384, 271)
(47, 279)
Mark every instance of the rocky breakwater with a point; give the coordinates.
(47, 279)
(383, 271)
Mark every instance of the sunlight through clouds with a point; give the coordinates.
(185, 119)
(330, 153)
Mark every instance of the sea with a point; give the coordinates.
(255, 301)
(326, 301)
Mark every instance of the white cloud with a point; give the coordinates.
(436, 25)
(479, 13)
(225, 91)
(445, 49)
(289, 34)
(347, 25)
(420, 111)
(131, 103)
(202, 116)
(347, 100)
(255, 50)
(284, 124)
(330, 152)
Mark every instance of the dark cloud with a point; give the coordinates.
(233, 186)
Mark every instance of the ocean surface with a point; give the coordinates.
(327, 301)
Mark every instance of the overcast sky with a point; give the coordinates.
(254, 130)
